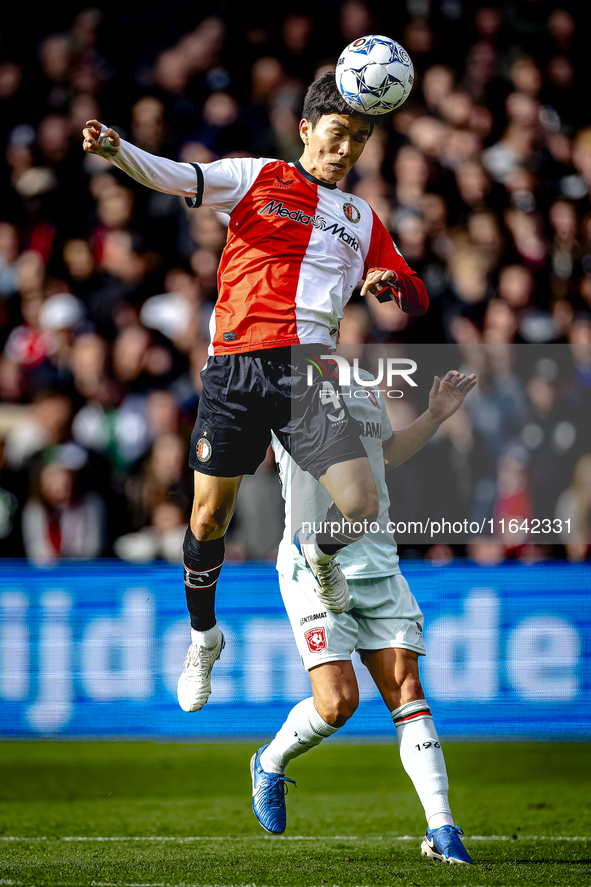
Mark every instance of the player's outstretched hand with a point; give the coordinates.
(447, 394)
(96, 141)
(377, 281)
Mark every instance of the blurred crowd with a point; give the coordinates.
(106, 288)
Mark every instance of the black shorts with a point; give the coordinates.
(246, 396)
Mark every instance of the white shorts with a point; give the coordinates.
(383, 614)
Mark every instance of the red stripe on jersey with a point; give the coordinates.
(259, 272)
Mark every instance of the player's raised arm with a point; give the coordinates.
(445, 398)
(157, 173)
(388, 276)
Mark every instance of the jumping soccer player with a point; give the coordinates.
(383, 623)
(297, 247)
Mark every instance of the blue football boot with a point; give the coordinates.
(268, 796)
(445, 844)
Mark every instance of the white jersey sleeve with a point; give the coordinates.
(221, 184)
(226, 182)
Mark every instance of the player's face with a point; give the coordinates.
(333, 146)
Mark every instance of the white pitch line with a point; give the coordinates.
(161, 839)
(130, 884)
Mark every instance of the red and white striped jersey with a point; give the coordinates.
(296, 248)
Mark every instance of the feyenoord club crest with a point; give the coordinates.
(203, 449)
(316, 639)
(352, 214)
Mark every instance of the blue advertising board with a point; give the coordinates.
(95, 649)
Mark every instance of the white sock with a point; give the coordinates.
(422, 758)
(207, 638)
(303, 729)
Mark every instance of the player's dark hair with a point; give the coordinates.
(323, 97)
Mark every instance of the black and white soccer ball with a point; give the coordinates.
(374, 75)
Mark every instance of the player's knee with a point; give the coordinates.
(366, 512)
(337, 710)
(411, 688)
(209, 522)
(359, 505)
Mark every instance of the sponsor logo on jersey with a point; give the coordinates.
(341, 232)
(315, 639)
(314, 616)
(278, 209)
(284, 184)
(351, 213)
(203, 450)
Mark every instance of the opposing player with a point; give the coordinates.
(383, 623)
(297, 247)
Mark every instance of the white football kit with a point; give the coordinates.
(383, 612)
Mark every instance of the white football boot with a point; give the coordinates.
(332, 588)
(194, 687)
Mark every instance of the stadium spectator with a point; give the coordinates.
(45, 423)
(162, 477)
(574, 505)
(161, 540)
(58, 520)
(10, 507)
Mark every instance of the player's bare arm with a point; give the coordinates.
(445, 398)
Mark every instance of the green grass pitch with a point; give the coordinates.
(92, 813)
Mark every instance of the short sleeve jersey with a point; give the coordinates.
(296, 250)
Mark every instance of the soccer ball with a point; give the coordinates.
(374, 75)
